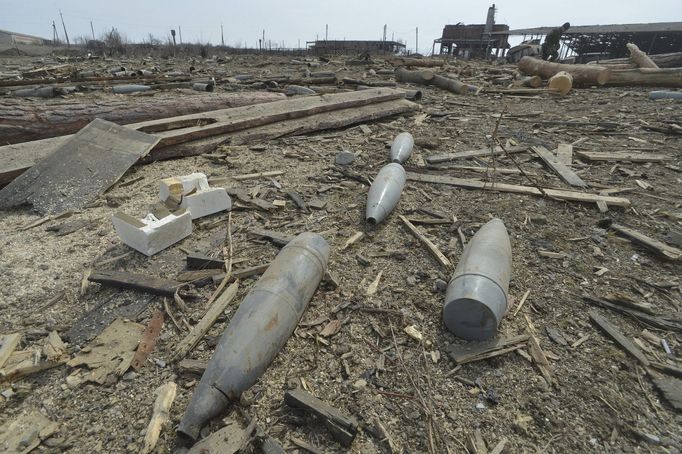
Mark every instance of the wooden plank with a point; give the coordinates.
(564, 154)
(279, 239)
(560, 169)
(198, 261)
(658, 321)
(618, 156)
(200, 329)
(482, 152)
(80, 170)
(476, 351)
(671, 388)
(619, 337)
(343, 428)
(560, 194)
(662, 249)
(143, 282)
(8, 343)
(433, 249)
(250, 271)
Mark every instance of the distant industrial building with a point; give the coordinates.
(322, 47)
(8, 38)
(590, 42)
(478, 40)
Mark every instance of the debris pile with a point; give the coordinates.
(385, 254)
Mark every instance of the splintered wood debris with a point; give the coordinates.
(111, 353)
(371, 343)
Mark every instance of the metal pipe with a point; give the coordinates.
(202, 87)
(261, 326)
(385, 192)
(130, 88)
(476, 297)
(401, 149)
(40, 92)
(665, 95)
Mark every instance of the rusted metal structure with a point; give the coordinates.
(476, 40)
(357, 46)
(591, 42)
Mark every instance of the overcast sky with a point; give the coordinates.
(290, 21)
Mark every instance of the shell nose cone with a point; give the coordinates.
(206, 404)
(374, 213)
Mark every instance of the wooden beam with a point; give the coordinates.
(433, 249)
(480, 153)
(560, 194)
(564, 154)
(617, 156)
(662, 249)
(559, 168)
(200, 329)
(619, 337)
(142, 282)
(342, 427)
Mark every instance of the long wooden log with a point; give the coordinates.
(429, 78)
(640, 58)
(670, 60)
(22, 122)
(582, 74)
(411, 62)
(647, 77)
(15, 159)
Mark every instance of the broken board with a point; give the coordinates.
(25, 433)
(618, 156)
(566, 174)
(80, 170)
(560, 194)
(482, 153)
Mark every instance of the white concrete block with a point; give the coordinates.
(151, 235)
(193, 193)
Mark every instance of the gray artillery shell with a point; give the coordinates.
(476, 298)
(385, 192)
(261, 326)
(41, 92)
(401, 149)
(131, 88)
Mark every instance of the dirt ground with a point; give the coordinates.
(599, 400)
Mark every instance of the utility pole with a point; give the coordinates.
(326, 32)
(384, 32)
(299, 43)
(92, 29)
(416, 40)
(55, 35)
(222, 37)
(68, 44)
(180, 33)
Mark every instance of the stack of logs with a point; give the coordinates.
(562, 77)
